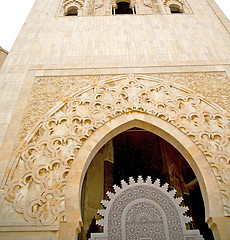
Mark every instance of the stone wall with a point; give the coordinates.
(3, 55)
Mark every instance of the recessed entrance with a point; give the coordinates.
(139, 152)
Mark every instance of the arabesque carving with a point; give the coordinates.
(36, 187)
(214, 86)
(48, 91)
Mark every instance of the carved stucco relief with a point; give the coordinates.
(36, 187)
(214, 86)
(48, 91)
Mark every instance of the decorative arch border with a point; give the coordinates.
(181, 4)
(206, 178)
(168, 2)
(50, 154)
(68, 4)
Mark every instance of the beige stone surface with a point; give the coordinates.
(29, 235)
(55, 57)
(3, 55)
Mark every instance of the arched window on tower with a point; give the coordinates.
(174, 8)
(72, 11)
(124, 8)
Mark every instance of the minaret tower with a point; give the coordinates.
(80, 73)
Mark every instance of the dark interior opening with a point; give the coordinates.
(140, 152)
(174, 9)
(123, 8)
(199, 216)
(72, 11)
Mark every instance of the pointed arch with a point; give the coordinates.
(182, 143)
(55, 152)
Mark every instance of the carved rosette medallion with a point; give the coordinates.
(144, 219)
(36, 186)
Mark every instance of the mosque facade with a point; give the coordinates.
(97, 93)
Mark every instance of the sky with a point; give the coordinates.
(14, 12)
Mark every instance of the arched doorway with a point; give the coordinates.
(136, 152)
(188, 149)
(56, 155)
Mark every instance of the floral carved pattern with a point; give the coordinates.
(36, 186)
(48, 91)
(144, 218)
(214, 86)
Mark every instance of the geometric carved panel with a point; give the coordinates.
(142, 210)
(143, 220)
